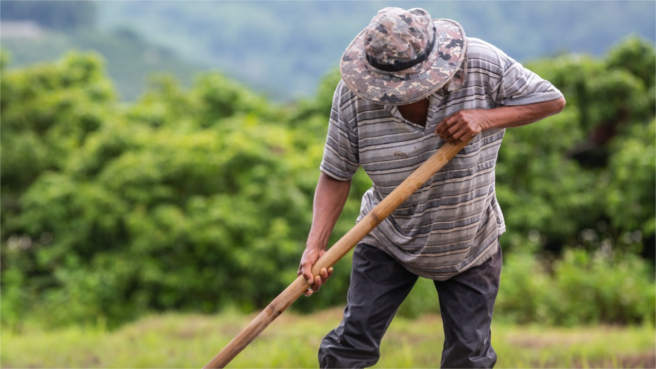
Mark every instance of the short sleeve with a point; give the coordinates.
(520, 86)
(340, 155)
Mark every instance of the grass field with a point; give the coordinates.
(178, 340)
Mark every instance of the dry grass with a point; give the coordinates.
(178, 340)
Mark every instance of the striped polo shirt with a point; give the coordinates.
(453, 221)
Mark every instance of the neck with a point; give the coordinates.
(415, 112)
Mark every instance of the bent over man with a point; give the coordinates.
(410, 84)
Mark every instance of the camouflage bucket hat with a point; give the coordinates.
(403, 56)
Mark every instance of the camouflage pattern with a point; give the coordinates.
(393, 35)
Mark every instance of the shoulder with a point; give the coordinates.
(347, 101)
(479, 51)
(342, 95)
(477, 48)
(342, 92)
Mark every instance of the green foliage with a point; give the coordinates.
(584, 287)
(4, 59)
(201, 199)
(637, 57)
(630, 181)
(185, 200)
(581, 288)
(129, 58)
(551, 193)
(590, 167)
(52, 14)
(421, 300)
(47, 113)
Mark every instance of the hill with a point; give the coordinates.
(129, 58)
(282, 48)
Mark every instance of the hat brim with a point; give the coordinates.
(412, 84)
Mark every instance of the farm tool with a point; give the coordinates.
(335, 253)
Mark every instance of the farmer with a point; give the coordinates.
(410, 84)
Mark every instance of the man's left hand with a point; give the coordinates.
(462, 125)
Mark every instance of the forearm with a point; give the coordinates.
(516, 116)
(329, 199)
(466, 124)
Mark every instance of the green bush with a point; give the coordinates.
(580, 288)
(200, 200)
(194, 200)
(583, 288)
(630, 181)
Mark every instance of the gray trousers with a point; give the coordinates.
(379, 284)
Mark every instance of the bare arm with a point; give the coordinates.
(468, 123)
(329, 199)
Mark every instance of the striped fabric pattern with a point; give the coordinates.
(453, 222)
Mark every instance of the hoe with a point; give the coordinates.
(339, 249)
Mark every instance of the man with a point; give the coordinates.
(410, 84)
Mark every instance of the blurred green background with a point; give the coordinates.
(162, 157)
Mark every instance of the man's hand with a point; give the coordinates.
(329, 199)
(463, 125)
(466, 124)
(310, 256)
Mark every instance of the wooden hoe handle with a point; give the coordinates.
(339, 249)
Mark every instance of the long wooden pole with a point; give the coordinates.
(341, 248)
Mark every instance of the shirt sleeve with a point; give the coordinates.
(520, 86)
(340, 155)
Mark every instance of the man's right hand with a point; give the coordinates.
(309, 258)
(329, 199)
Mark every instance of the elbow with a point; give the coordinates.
(559, 105)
